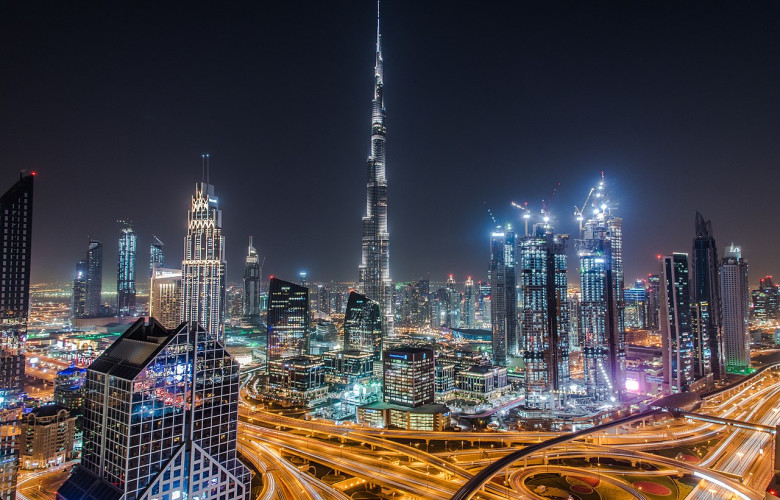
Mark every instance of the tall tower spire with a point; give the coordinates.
(374, 279)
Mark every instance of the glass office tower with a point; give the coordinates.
(705, 295)
(544, 316)
(253, 273)
(503, 295)
(160, 419)
(16, 210)
(288, 320)
(125, 278)
(676, 328)
(363, 326)
(94, 286)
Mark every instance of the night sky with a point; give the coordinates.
(114, 103)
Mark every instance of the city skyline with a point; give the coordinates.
(588, 351)
(641, 112)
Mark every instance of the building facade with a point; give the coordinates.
(78, 302)
(287, 321)
(16, 211)
(203, 267)
(161, 418)
(766, 300)
(363, 326)
(544, 317)
(601, 321)
(469, 314)
(503, 295)
(735, 303)
(69, 389)
(253, 273)
(299, 379)
(48, 435)
(93, 301)
(676, 327)
(374, 280)
(156, 255)
(409, 376)
(705, 297)
(125, 277)
(165, 296)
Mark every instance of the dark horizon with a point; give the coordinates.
(113, 105)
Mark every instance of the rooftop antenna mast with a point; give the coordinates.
(205, 158)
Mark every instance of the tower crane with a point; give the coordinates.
(526, 213)
(578, 211)
(546, 204)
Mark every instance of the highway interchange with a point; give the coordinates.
(738, 462)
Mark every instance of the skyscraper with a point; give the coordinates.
(602, 330)
(363, 326)
(94, 286)
(16, 210)
(766, 300)
(203, 267)
(165, 296)
(125, 277)
(156, 255)
(706, 294)
(79, 299)
(676, 329)
(544, 316)
(161, 419)
(252, 276)
(735, 303)
(636, 305)
(452, 304)
(653, 302)
(503, 295)
(288, 320)
(374, 281)
(469, 317)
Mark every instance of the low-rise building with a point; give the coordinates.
(300, 379)
(48, 435)
(348, 367)
(481, 382)
(427, 417)
(444, 381)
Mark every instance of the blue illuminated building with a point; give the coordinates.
(125, 278)
(544, 339)
(601, 325)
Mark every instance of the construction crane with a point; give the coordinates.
(546, 204)
(526, 213)
(578, 211)
(598, 198)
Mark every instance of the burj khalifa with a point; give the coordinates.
(375, 280)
